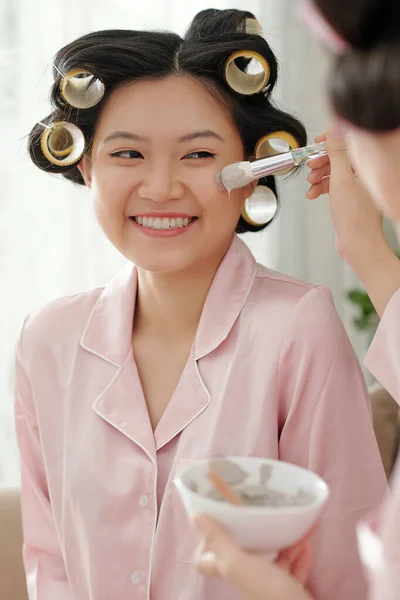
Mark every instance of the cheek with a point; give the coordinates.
(372, 168)
(110, 193)
(202, 179)
(110, 197)
(214, 201)
(353, 145)
(223, 210)
(363, 162)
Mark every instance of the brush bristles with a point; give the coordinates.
(237, 175)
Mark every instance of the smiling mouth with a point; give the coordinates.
(164, 222)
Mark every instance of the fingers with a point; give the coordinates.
(318, 189)
(321, 137)
(318, 175)
(254, 577)
(214, 536)
(307, 537)
(217, 554)
(302, 565)
(338, 153)
(333, 130)
(316, 163)
(332, 171)
(207, 563)
(297, 559)
(298, 562)
(288, 556)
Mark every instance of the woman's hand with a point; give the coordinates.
(255, 578)
(357, 221)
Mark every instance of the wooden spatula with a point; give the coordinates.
(223, 488)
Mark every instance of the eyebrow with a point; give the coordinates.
(206, 133)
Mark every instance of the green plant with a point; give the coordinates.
(367, 319)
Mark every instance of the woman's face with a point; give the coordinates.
(375, 158)
(156, 153)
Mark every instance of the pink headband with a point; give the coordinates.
(322, 29)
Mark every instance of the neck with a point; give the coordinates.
(170, 304)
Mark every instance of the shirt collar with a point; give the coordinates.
(226, 297)
(108, 331)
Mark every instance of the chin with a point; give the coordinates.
(161, 264)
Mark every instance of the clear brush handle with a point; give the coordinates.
(301, 155)
(287, 160)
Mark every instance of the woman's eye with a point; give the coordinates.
(126, 154)
(200, 154)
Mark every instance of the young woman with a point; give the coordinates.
(194, 350)
(365, 91)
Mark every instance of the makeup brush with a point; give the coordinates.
(240, 174)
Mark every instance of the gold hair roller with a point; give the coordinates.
(253, 27)
(62, 143)
(81, 89)
(253, 79)
(264, 148)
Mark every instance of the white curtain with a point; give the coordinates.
(50, 244)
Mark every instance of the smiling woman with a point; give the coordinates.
(163, 169)
(194, 350)
(159, 55)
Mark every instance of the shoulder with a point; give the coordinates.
(302, 315)
(290, 296)
(60, 320)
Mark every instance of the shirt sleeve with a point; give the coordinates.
(44, 566)
(383, 360)
(383, 357)
(326, 426)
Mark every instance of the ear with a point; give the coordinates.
(85, 168)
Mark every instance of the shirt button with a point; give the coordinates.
(136, 577)
(144, 501)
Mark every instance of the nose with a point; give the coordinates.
(160, 183)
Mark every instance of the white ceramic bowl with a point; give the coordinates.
(259, 528)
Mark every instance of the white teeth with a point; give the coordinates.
(162, 223)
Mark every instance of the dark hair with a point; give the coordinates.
(365, 82)
(118, 57)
